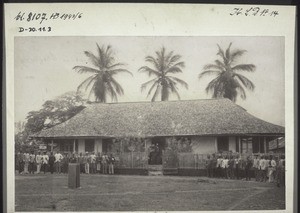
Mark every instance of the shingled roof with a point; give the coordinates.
(171, 118)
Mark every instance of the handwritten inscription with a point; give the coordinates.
(41, 17)
(35, 29)
(253, 11)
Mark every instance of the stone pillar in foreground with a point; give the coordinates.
(74, 175)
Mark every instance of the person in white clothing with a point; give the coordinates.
(272, 169)
(219, 166)
(45, 159)
(224, 166)
(58, 158)
(38, 160)
(263, 169)
(93, 163)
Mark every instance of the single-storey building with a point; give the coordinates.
(211, 125)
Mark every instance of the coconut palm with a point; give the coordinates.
(102, 82)
(228, 83)
(163, 84)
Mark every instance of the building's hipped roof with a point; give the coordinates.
(172, 118)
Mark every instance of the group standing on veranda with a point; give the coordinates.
(266, 168)
(90, 163)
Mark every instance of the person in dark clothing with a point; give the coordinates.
(209, 166)
(20, 162)
(214, 165)
(247, 168)
(51, 162)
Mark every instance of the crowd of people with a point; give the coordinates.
(90, 163)
(262, 167)
(265, 168)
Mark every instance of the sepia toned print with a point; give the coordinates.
(156, 123)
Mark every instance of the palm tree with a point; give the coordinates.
(165, 64)
(102, 82)
(228, 82)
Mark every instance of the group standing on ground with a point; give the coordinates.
(90, 163)
(265, 168)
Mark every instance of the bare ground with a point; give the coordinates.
(144, 193)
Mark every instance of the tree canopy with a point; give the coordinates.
(229, 82)
(102, 82)
(164, 66)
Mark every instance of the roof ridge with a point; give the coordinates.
(154, 102)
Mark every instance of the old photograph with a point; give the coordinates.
(149, 123)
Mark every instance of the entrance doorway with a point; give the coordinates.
(156, 149)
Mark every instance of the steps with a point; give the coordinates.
(155, 170)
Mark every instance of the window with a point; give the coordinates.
(89, 145)
(246, 145)
(223, 144)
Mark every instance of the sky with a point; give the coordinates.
(43, 68)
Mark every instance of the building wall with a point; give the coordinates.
(204, 145)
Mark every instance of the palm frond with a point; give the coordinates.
(101, 56)
(116, 65)
(117, 86)
(173, 59)
(213, 66)
(241, 90)
(174, 89)
(212, 85)
(116, 71)
(177, 80)
(237, 53)
(144, 85)
(113, 94)
(156, 83)
(221, 53)
(167, 58)
(153, 61)
(245, 81)
(209, 72)
(93, 58)
(227, 53)
(173, 69)
(158, 88)
(84, 69)
(149, 71)
(86, 82)
(244, 67)
(92, 91)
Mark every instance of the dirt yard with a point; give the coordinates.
(143, 193)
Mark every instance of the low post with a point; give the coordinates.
(74, 175)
